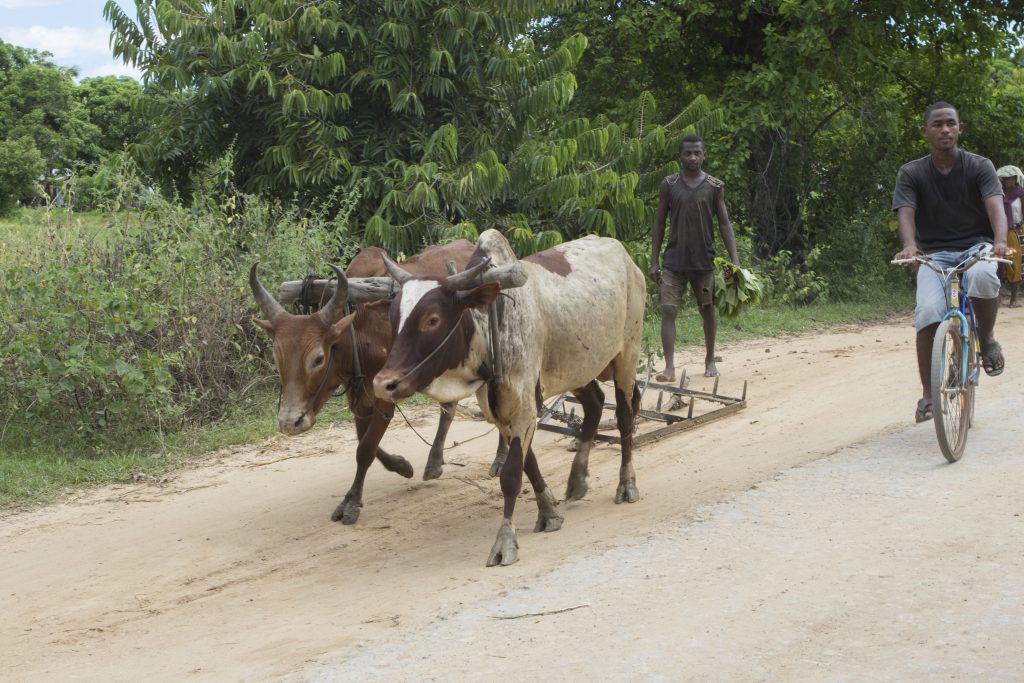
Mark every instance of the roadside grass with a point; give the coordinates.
(25, 226)
(40, 469)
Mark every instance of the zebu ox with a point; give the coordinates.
(314, 355)
(579, 315)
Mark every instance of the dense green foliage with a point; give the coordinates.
(441, 113)
(148, 325)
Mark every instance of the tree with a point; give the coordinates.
(441, 113)
(821, 97)
(108, 103)
(21, 165)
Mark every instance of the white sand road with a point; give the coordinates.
(816, 535)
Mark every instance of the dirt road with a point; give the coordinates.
(817, 534)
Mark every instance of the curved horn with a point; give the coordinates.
(267, 303)
(335, 306)
(395, 271)
(465, 279)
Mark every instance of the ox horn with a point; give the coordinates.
(333, 310)
(268, 304)
(465, 279)
(395, 271)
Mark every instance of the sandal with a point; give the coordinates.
(992, 361)
(924, 411)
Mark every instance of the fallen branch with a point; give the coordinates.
(542, 614)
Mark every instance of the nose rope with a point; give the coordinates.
(430, 355)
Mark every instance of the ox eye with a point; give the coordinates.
(433, 321)
(319, 360)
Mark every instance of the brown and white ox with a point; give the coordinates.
(314, 355)
(579, 315)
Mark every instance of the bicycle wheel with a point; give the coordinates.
(951, 395)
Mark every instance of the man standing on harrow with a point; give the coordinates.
(949, 204)
(691, 200)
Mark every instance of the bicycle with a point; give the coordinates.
(956, 356)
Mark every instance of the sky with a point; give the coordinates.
(74, 31)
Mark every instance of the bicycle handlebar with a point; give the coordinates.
(959, 268)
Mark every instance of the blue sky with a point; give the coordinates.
(74, 31)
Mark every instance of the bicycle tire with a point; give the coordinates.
(950, 391)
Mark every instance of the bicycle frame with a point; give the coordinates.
(960, 308)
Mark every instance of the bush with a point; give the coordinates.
(21, 164)
(146, 325)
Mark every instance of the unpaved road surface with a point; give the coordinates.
(815, 535)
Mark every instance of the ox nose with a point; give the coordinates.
(384, 386)
(293, 423)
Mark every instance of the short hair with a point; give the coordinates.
(691, 138)
(939, 105)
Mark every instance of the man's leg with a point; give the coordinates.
(983, 287)
(671, 290)
(668, 342)
(703, 284)
(931, 306)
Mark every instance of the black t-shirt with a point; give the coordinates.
(691, 240)
(949, 210)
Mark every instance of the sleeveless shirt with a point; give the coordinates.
(691, 240)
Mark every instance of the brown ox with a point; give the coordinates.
(314, 355)
(579, 315)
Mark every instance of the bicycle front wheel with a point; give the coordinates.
(951, 390)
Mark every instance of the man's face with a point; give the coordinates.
(692, 156)
(942, 129)
(1009, 183)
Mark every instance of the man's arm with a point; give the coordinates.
(997, 217)
(725, 227)
(908, 229)
(658, 231)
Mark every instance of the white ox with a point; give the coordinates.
(578, 315)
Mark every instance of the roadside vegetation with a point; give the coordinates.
(291, 134)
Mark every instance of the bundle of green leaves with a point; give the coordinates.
(735, 288)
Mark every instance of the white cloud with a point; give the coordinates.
(111, 68)
(64, 42)
(17, 4)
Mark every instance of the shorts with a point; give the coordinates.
(673, 284)
(981, 281)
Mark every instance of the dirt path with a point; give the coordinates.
(815, 532)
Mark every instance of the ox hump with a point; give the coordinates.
(412, 292)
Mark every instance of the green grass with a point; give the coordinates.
(38, 469)
(775, 319)
(28, 227)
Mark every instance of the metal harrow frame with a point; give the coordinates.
(554, 418)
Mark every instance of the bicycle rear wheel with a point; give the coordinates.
(952, 397)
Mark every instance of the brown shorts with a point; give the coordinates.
(673, 284)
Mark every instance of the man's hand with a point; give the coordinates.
(908, 252)
(655, 273)
(1001, 250)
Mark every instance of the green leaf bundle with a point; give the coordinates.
(735, 289)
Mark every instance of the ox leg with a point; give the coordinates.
(548, 518)
(505, 550)
(369, 430)
(435, 459)
(624, 412)
(499, 457)
(592, 399)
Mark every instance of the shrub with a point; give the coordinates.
(146, 324)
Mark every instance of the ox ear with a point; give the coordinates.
(341, 327)
(478, 296)
(265, 324)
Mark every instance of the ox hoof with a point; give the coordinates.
(347, 511)
(432, 471)
(499, 462)
(403, 467)
(627, 492)
(577, 488)
(548, 518)
(505, 550)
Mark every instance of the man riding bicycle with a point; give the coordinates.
(950, 204)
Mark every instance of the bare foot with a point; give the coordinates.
(710, 370)
(666, 375)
